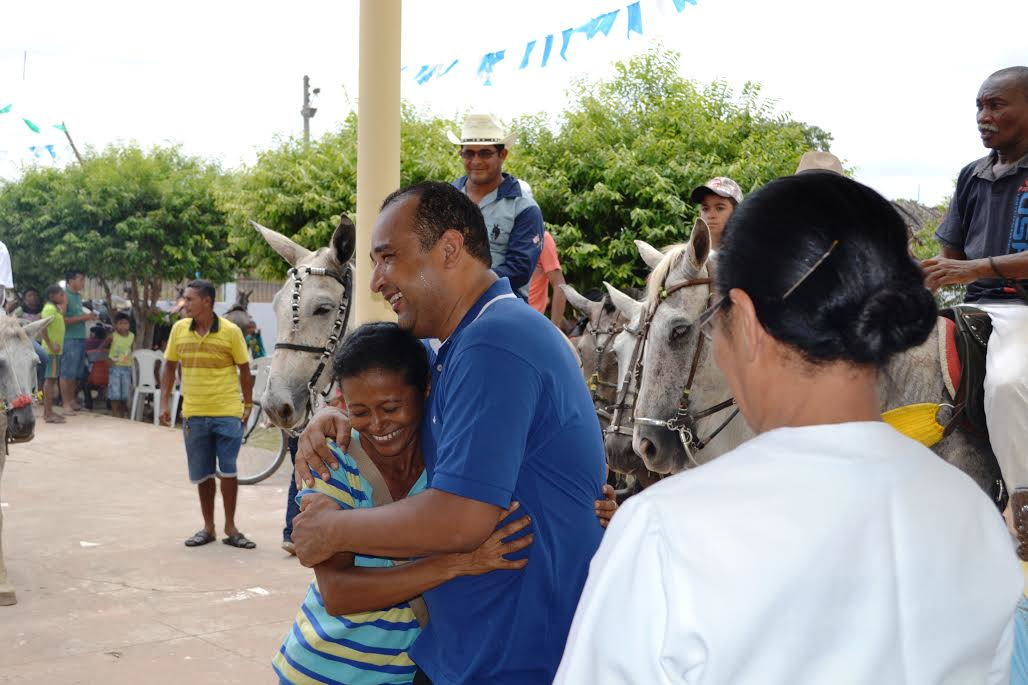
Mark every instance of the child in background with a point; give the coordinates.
(254, 343)
(717, 199)
(53, 341)
(120, 382)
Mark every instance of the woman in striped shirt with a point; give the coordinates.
(342, 633)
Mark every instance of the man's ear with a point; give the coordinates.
(451, 243)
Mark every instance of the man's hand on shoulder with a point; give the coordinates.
(312, 528)
(313, 453)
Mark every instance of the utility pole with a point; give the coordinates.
(67, 134)
(308, 112)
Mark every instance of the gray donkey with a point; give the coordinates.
(17, 389)
(313, 312)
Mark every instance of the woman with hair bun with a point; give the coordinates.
(829, 548)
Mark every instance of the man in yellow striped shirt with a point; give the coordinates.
(216, 392)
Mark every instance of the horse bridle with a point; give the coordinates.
(21, 400)
(299, 274)
(684, 419)
(595, 382)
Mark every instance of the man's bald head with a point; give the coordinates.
(1014, 76)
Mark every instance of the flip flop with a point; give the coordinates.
(56, 418)
(239, 540)
(200, 537)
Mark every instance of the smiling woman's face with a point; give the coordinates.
(384, 408)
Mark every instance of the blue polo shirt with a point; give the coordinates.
(510, 418)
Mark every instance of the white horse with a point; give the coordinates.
(17, 389)
(313, 313)
(683, 399)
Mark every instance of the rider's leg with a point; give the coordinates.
(1006, 401)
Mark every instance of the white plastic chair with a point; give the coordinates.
(144, 379)
(176, 394)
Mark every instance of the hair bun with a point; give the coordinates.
(893, 319)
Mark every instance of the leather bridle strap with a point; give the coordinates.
(326, 351)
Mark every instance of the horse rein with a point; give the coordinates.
(684, 420)
(595, 382)
(328, 349)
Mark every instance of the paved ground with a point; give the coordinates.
(95, 512)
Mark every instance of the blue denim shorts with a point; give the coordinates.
(119, 383)
(73, 358)
(211, 439)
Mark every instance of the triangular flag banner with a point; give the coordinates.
(528, 53)
(5, 110)
(488, 62)
(599, 24)
(53, 153)
(60, 127)
(635, 19)
(546, 49)
(32, 127)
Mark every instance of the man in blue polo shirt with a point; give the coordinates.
(508, 418)
(512, 218)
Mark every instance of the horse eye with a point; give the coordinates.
(322, 310)
(679, 331)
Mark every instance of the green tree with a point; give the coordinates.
(301, 190)
(142, 218)
(629, 150)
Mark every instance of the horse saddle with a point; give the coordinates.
(964, 344)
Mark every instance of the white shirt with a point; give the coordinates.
(820, 555)
(6, 277)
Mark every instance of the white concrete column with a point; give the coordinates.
(378, 139)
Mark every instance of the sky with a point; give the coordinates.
(894, 81)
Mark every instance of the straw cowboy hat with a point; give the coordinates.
(820, 161)
(482, 129)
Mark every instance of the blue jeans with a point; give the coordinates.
(211, 439)
(1019, 664)
(292, 508)
(119, 383)
(44, 359)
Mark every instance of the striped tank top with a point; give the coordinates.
(369, 648)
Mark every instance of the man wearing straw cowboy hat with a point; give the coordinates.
(512, 217)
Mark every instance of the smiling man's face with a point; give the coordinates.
(407, 275)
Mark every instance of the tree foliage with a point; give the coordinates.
(142, 217)
(618, 164)
(629, 151)
(301, 190)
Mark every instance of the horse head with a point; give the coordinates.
(312, 310)
(18, 374)
(675, 366)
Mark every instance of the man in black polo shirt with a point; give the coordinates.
(985, 246)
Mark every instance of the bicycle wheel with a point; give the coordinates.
(263, 450)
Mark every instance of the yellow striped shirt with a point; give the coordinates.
(210, 379)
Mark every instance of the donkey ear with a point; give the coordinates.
(625, 304)
(650, 254)
(583, 305)
(699, 245)
(344, 240)
(290, 251)
(34, 329)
